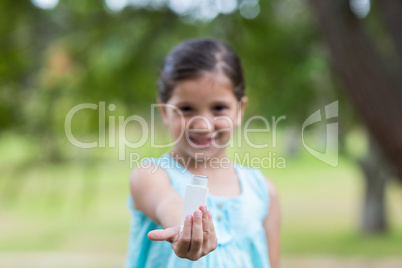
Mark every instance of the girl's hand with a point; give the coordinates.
(198, 236)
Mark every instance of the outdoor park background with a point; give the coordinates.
(63, 206)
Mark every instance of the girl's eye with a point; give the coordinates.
(185, 109)
(219, 108)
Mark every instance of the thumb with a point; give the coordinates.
(164, 234)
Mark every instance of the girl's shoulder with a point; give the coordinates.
(148, 167)
(253, 176)
(163, 168)
(148, 181)
(259, 183)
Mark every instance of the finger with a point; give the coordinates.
(197, 234)
(205, 230)
(213, 240)
(164, 234)
(205, 219)
(183, 244)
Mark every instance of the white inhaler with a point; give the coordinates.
(196, 195)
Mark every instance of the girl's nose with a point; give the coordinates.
(201, 123)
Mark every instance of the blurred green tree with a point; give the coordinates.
(371, 73)
(81, 51)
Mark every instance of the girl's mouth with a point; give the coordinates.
(201, 141)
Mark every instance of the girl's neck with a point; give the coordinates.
(203, 166)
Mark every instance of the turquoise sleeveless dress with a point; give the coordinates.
(238, 223)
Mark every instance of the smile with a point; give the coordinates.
(201, 141)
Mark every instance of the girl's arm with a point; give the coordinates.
(153, 194)
(272, 226)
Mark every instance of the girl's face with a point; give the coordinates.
(201, 115)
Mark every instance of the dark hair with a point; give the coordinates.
(190, 59)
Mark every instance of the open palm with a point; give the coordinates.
(197, 239)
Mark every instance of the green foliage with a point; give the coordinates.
(81, 52)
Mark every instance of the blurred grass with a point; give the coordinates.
(80, 205)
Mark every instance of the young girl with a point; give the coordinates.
(201, 97)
